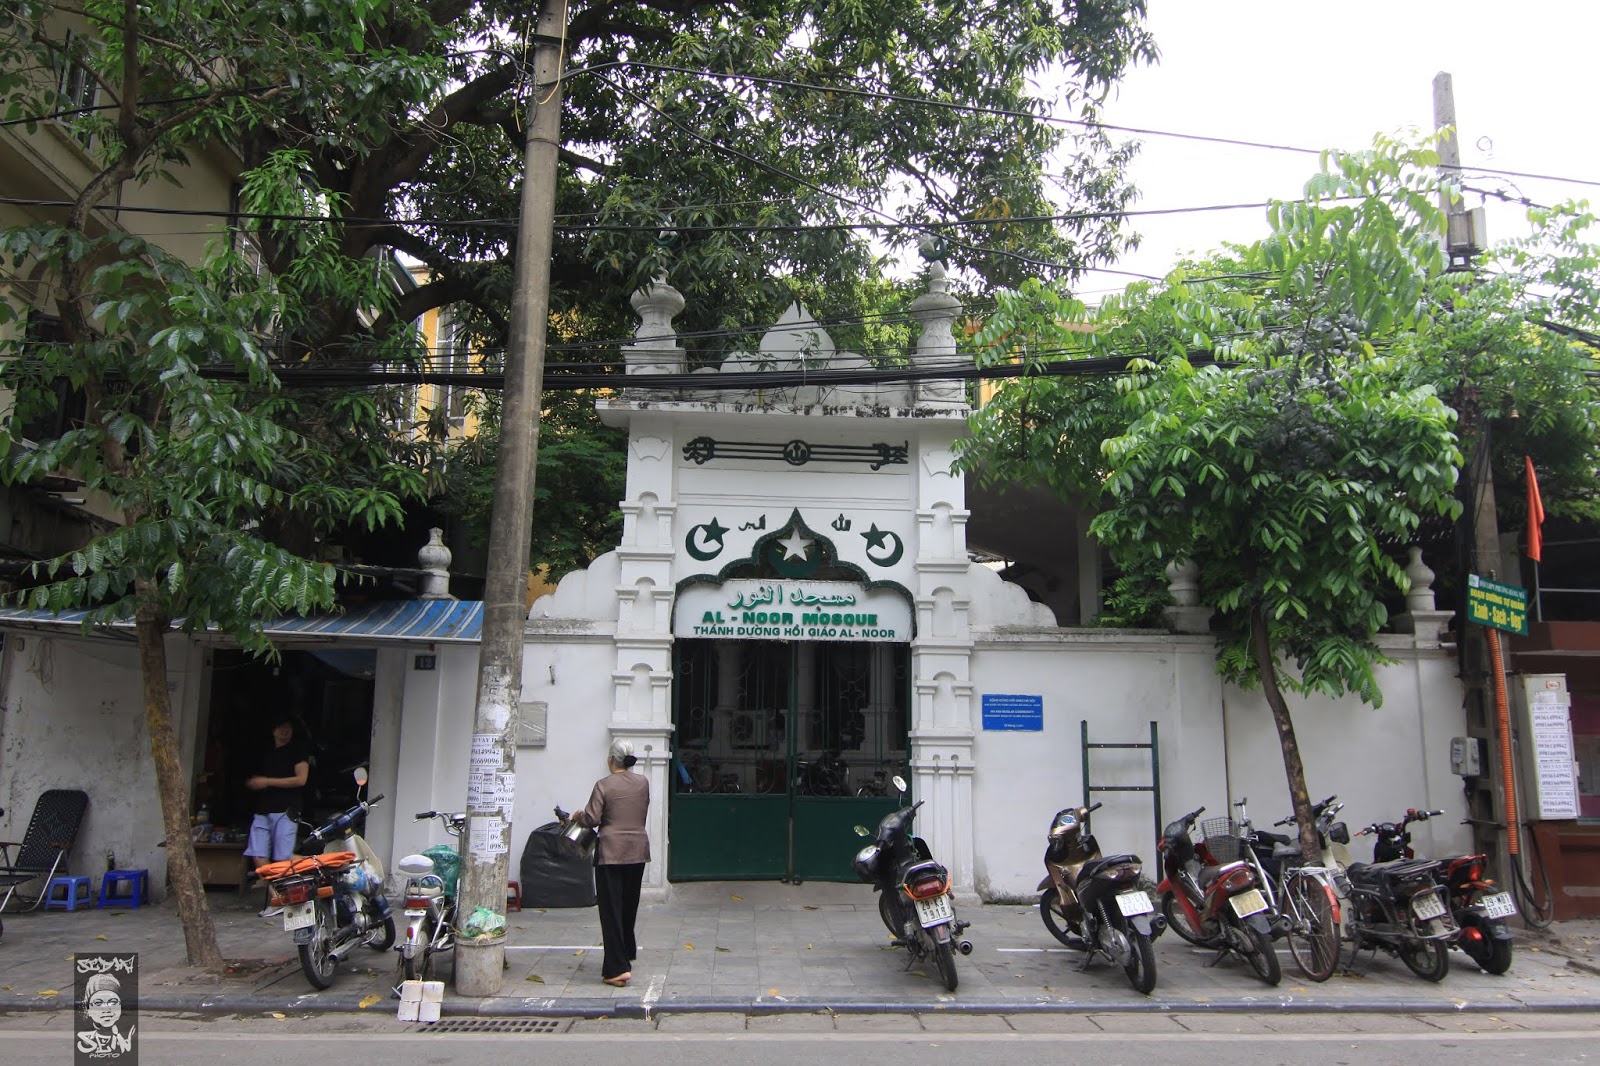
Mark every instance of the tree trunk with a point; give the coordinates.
(1294, 769)
(199, 931)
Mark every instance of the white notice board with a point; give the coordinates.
(1555, 773)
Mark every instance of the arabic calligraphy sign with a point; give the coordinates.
(747, 608)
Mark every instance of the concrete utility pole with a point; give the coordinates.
(491, 780)
(1489, 796)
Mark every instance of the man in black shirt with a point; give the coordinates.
(278, 784)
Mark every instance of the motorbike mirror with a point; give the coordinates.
(361, 776)
(861, 831)
(898, 782)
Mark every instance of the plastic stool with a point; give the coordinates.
(78, 894)
(513, 896)
(138, 882)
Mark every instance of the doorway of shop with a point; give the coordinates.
(782, 748)
(328, 692)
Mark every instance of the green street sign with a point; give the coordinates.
(1498, 606)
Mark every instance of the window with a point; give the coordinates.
(453, 350)
(50, 410)
(78, 90)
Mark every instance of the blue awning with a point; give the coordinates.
(423, 621)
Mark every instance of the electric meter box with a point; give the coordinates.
(1466, 756)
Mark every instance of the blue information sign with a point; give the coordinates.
(1013, 712)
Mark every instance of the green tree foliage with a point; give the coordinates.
(1291, 413)
(216, 475)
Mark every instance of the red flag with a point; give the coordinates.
(1535, 514)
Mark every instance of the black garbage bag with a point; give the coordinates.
(554, 874)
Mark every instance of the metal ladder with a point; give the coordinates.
(1154, 787)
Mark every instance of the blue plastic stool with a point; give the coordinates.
(79, 893)
(138, 882)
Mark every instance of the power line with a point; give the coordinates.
(872, 94)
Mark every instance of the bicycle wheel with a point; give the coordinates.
(1313, 931)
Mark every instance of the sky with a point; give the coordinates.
(1320, 76)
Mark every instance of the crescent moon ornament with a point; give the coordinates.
(710, 533)
(876, 538)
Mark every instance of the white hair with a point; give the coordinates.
(621, 752)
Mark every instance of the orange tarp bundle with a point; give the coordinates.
(332, 860)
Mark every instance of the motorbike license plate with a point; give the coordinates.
(1499, 905)
(1427, 906)
(935, 911)
(1247, 903)
(299, 916)
(1132, 903)
(415, 914)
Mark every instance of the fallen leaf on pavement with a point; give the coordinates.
(102, 936)
(535, 978)
(279, 1015)
(808, 947)
(725, 951)
(737, 899)
(48, 992)
(809, 907)
(688, 947)
(772, 991)
(367, 1001)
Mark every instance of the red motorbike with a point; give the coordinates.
(1213, 901)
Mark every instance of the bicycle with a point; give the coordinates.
(1308, 896)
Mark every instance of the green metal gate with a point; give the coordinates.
(782, 748)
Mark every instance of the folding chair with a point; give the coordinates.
(42, 852)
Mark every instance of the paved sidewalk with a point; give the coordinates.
(758, 949)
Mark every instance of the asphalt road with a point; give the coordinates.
(797, 1040)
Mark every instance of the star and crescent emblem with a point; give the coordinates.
(877, 539)
(708, 534)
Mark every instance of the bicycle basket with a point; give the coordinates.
(1222, 838)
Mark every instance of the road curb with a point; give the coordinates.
(462, 1007)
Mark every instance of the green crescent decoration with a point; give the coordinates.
(875, 538)
(713, 535)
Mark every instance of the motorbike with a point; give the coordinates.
(1095, 903)
(430, 900)
(914, 891)
(1214, 900)
(1478, 909)
(1399, 905)
(332, 902)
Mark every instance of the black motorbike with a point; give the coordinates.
(1478, 906)
(914, 898)
(1098, 903)
(1400, 907)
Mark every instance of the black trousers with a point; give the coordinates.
(616, 892)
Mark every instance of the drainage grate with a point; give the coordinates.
(492, 1025)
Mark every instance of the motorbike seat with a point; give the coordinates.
(1285, 851)
(1372, 873)
(1209, 874)
(1094, 866)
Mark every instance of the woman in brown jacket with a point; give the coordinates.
(617, 808)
